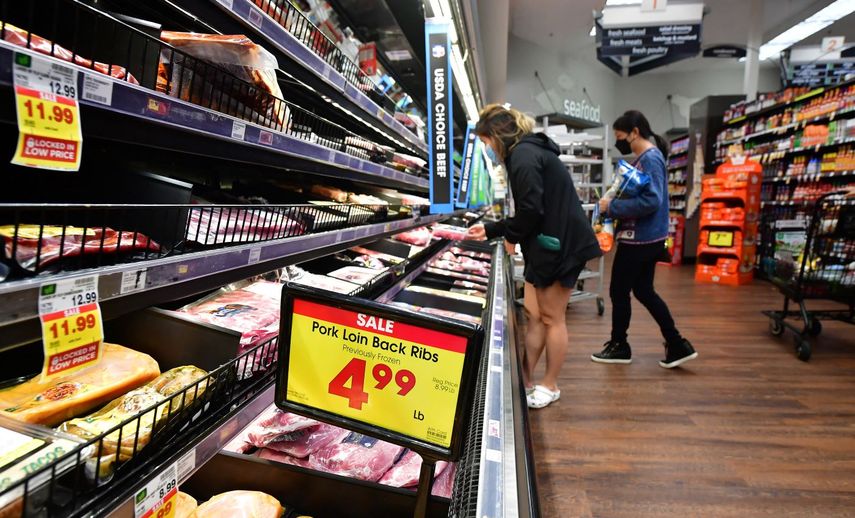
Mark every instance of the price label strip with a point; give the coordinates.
(157, 498)
(49, 134)
(363, 369)
(72, 329)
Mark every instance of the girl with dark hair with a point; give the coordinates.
(641, 234)
(552, 230)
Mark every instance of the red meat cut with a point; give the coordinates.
(356, 456)
(405, 472)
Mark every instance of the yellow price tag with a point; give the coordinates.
(72, 329)
(393, 375)
(721, 239)
(49, 135)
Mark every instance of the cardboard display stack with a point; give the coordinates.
(730, 214)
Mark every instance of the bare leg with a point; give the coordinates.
(552, 302)
(535, 333)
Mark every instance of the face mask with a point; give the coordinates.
(491, 154)
(623, 146)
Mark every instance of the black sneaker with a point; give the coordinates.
(677, 354)
(614, 352)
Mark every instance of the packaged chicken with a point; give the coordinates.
(137, 434)
(236, 54)
(240, 504)
(53, 401)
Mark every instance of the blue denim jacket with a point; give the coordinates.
(644, 218)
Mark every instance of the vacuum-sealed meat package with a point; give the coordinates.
(253, 311)
(273, 424)
(307, 441)
(419, 236)
(19, 37)
(327, 283)
(442, 231)
(236, 54)
(477, 279)
(405, 472)
(386, 258)
(356, 456)
(456, 250)
(282, 458)
(444, 483)
(35, 247)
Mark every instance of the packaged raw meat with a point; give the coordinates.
(253, 311)
(414, 201)
(473, 267)
(273, 424)
(236, 54)
(419, 236)
(386, 258)
(405, 472)
(45, 243)
(51, 402)
(481, 301)
(456, 250)
(355, 274)
(330, 193)
(327, 283)
(449, 232)
(136, 434)
(303, 443)
(458, 275)
(365, 199)
(356, 456)
(239, 443)
(444, 483)
(282, 458)
(240, 504)
(19, 37)
(215, 225)
(463, 317)
(184, 505)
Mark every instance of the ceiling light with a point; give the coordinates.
(809, 26)
(593, 31)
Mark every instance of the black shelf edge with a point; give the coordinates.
(144, 117)
(175, 277)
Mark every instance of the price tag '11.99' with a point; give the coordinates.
(72, 330)
(157, 498)
(49, 135)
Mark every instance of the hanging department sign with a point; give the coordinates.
(651, 41)
(440, 121)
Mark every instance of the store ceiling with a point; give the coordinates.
(564, 26)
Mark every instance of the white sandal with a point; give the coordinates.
(542, 396)
(529, 391)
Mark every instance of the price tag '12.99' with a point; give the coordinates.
(72, 330)
(157, 498)
(49, 135)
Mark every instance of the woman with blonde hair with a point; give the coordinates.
(552, 230)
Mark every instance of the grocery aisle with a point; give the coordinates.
(747, 430)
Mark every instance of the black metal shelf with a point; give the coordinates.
(169, 278)
(321, 73)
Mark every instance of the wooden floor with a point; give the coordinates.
(745, 430)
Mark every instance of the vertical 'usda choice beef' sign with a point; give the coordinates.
(440, 122)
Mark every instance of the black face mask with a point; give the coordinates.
(623, 146)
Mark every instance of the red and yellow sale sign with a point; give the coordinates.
(49, 135)
(393, 375)
(72, 329)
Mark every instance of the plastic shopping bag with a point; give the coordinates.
(629, 181)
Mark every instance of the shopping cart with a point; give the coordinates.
(816, 263)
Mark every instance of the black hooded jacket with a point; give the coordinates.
(546, 202)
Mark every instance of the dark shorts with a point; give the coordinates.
(568, 280)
